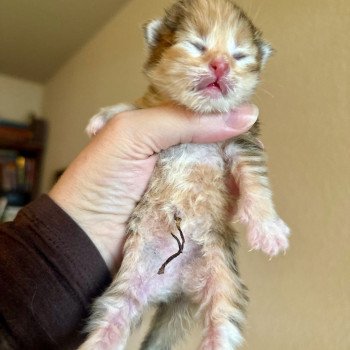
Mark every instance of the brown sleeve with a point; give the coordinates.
(49, 273)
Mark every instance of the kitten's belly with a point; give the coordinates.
(189, 182)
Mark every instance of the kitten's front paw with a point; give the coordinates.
(96, 123)
(270, 236)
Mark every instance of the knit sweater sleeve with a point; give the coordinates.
(50, 272)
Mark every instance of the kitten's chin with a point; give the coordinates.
(207, 104)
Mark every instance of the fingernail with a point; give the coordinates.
(242, 117)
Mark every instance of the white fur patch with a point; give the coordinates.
(151, 31)
(266, 52)
(231, 45)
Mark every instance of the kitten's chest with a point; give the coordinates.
(187, 156)
(192, 175)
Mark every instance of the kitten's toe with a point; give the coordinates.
(271, 236)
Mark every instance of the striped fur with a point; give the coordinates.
(203, 283)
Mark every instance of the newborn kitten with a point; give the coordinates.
(205, 55)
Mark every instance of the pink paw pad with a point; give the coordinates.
(270, 236)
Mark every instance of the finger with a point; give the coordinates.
(149, 131)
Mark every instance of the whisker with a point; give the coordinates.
(267, 92)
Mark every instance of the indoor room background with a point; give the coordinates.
(300, 301)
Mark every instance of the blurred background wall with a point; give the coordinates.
(301, 300)
(20, 97)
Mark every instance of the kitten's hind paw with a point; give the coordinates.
(270, 236)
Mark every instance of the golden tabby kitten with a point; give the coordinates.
(205, 55)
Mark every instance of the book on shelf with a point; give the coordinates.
(17, 176)
(21, 151)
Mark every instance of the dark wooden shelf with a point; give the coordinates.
(29, 142)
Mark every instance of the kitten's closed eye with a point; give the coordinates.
(200, 47)
(239, 56)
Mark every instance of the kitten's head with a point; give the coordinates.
(205, 54)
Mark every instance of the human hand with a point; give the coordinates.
(101, 187)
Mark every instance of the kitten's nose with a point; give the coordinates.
(220, 66)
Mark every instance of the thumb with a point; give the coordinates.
(215, 128)
(149, 131)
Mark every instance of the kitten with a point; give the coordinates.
(205, 55)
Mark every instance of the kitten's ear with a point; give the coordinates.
(151, 31)
(266, 51)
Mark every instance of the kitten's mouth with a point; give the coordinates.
(213, 89)
(214, 85)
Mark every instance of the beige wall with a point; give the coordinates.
(19, 97)
(300, 301)
(105, 71)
